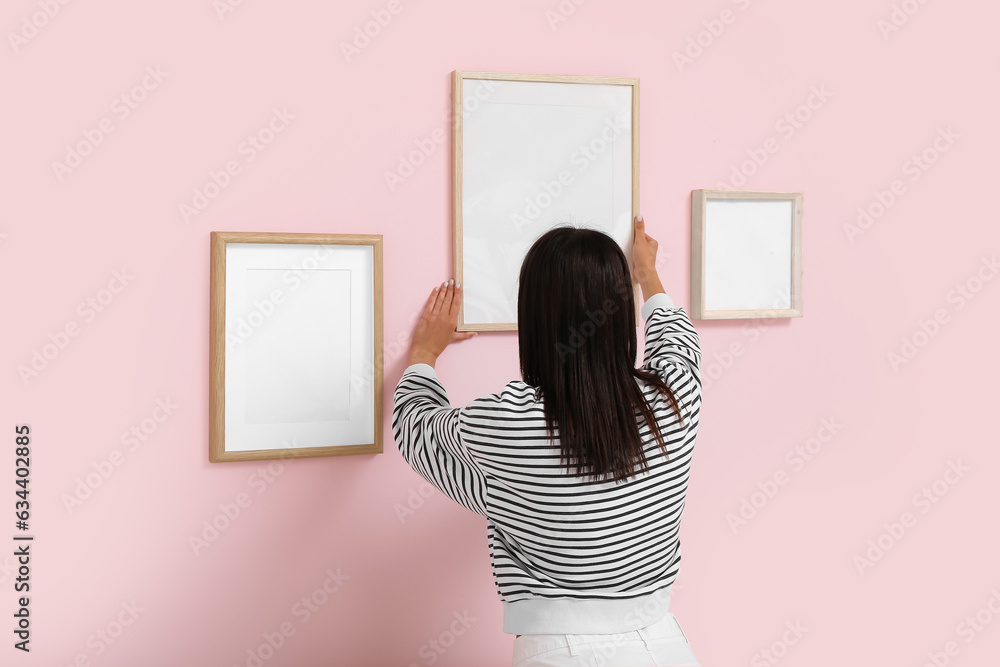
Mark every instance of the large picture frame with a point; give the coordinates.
(295, 345)
(746, 254)
(531, 152)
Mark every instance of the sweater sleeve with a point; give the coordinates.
(673, 349)
(426, 430)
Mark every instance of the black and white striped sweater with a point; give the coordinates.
(570, 555)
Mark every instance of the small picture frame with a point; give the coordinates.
(746, 254)
(533, 152)
(295, 345)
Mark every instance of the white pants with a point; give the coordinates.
(661, 644)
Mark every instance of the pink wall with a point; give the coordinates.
(403, 583)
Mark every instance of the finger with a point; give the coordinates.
(464, 335)
(449, 297)
(456, 303)
(436, 308)
(430, 301)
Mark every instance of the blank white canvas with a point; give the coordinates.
(299, 353)
(748, 254)
(298, 367)
(516, 144)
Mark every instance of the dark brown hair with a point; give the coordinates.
(577, 344)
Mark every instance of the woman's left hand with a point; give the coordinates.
(436, 328)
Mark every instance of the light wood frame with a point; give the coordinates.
(458, 79)
(698, 210)
(217, 344)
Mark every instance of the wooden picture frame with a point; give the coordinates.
(746, 254)
(528, 140)
(295, 345)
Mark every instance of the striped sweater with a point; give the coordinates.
(569, 555)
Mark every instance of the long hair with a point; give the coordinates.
(577, 345)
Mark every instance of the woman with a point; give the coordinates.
(582, 468)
